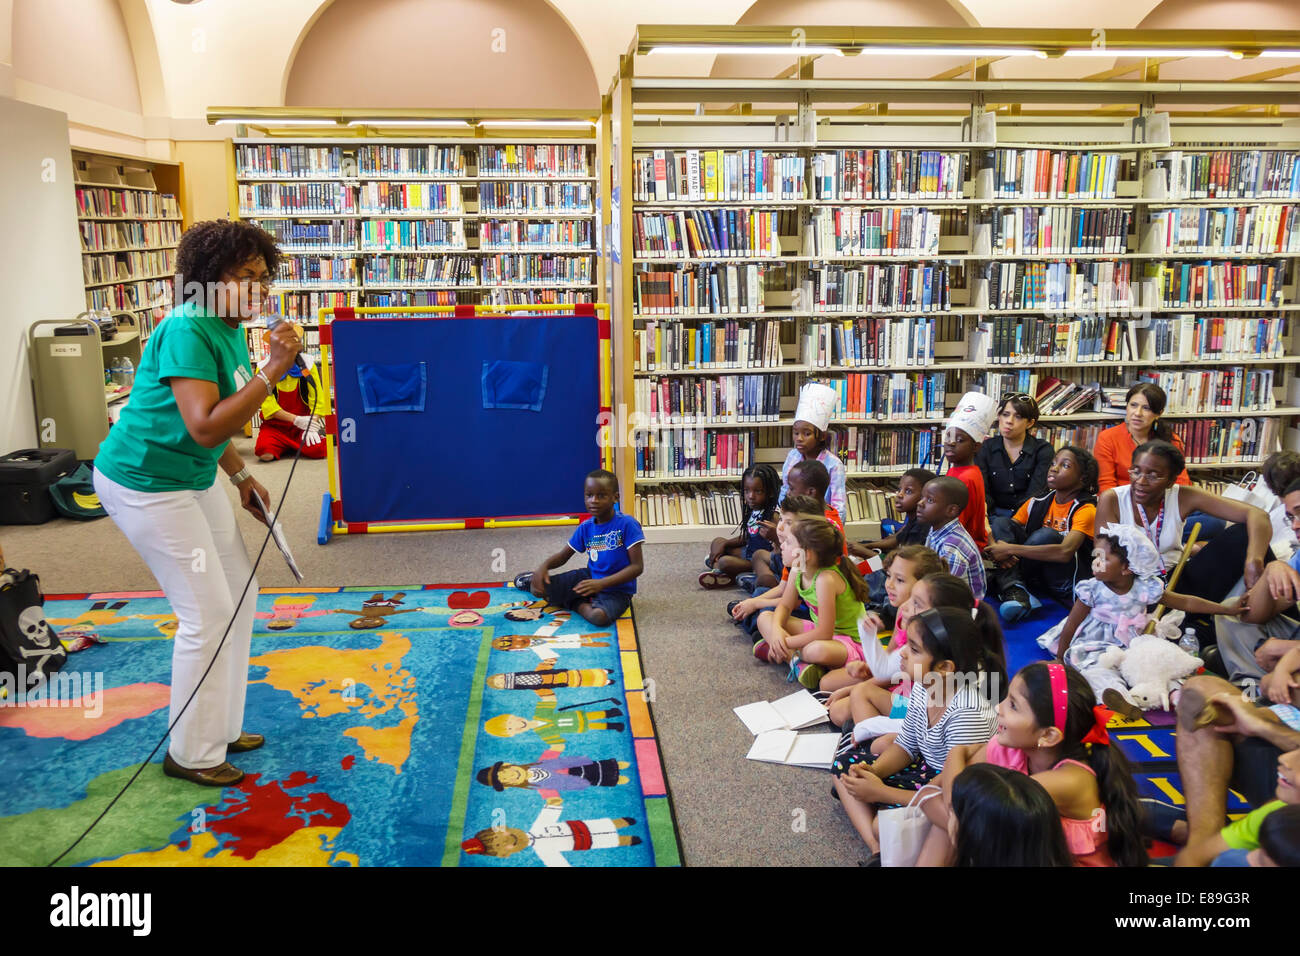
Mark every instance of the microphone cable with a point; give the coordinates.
(275, 516)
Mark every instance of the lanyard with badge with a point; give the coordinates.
(1146, 527)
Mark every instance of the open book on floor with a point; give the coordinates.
(795, 749)
(801, 709)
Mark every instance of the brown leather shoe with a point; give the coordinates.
(222, 775)
(245, 743)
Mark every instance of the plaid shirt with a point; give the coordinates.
(955, 546)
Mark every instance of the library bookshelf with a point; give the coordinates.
(376, 211)
(802, 229)
(130, 221)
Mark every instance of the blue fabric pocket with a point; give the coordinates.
(392, 388)
(519, 385)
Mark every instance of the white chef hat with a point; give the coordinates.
(974, 415)
(816, 405)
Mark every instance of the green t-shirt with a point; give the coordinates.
(149, 449)
(847, 607)
(1243, 834)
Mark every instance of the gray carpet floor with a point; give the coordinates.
(730, 811)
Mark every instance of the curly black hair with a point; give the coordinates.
(1088, 469)
(210, 250)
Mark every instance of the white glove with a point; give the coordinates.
(313, 435)
(302, 422)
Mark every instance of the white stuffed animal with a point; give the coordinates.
(1152, 667)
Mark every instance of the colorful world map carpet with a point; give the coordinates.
(465, 725)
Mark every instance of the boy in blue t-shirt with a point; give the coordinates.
(601, 591)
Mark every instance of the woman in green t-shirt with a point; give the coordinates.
(156, 475)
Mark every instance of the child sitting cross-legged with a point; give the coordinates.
(1049, 727)
(826, 580)
(863, 687)
(744, 614)
(1111, 608)
(734, 556)
(805, 479)
(942, 502)
(953, 673)
(603, 590)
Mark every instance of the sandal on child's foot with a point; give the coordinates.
(713, 580)
(1117, 702)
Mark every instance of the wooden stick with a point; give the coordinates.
(1173, 577)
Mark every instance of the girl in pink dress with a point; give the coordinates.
(1049, 728)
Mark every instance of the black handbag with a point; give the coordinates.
(29, 649)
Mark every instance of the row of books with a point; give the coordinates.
(1232, 389)
(867, 448)
(296, 199)
(705, 288)
(402, 298)
(381, 197)
(435, 270)
(896, 397)
(127, 295)
(537, 268)
(540, 160)
(877, 287)
(1016, 340)
(1057, 230)
(1058, 397)
(575, 198)
(430, 160)
(1230, 229)
(1053, 173)
(868, 341)
(708, 400)
(333, 234)
(92, 201)
(573, 234)
(1203, 337)
(664, 346)
(296, 270)
(125, 266)
(1218, 284)
(127, 236)
(304, 306)
(291, 161)
(1059, 286)
(870, 503)
(1231, 174)
(257, 349)
(717, 175)
(889, 174)
(721, 505)
(1225, 440)
(379, 235)
(693, 452)
(901, 230)
(696, 233)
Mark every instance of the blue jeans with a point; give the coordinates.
(1041, 578)
(561, 594)
(1210, 525)
(1232, 858)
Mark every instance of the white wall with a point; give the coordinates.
(40, 251)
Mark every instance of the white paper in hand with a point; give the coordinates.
(277, 535)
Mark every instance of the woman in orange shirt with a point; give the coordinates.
(1144, 404)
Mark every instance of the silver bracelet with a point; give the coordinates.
(270, 389)
(239, 476)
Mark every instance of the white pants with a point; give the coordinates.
(190, 542)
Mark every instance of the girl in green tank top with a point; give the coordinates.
(828, 582)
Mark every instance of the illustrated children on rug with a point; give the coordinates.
(603, 590)
(551, 773)
(550, 837)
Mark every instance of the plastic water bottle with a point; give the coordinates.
(118, 372)
(1189, 643)
(128, 372)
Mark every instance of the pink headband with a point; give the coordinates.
(1060, 694)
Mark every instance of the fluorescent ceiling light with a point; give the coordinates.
(783, 50)
(276, 121)
(1143, 51)
(1282, 54)
(380, 121)
(951, 51)
(536, 122)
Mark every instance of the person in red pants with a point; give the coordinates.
(294, 416)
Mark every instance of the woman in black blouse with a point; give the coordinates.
(1014, 462)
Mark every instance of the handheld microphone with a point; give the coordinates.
(272, 323)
